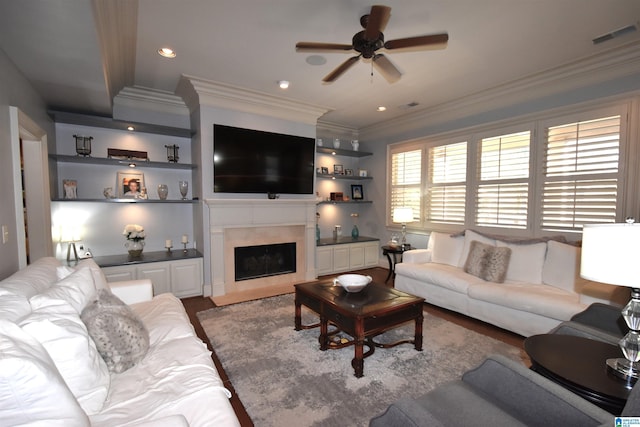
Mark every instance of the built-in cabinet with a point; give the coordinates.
(345, 169)
(346, 254)
(181, 277)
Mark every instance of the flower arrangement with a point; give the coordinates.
(134, 232)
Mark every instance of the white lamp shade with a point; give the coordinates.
(403, 215)
(610, 254)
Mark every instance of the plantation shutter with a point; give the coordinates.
(446, 186)
(406, 179)
(581, 174)
(503, 189)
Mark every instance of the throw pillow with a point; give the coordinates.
(526, 261)
(470, 236)
(445, 249)
(120, 336)
(487, 262)
(77, 289)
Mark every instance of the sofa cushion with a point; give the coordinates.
(99, 279)
(32, 392)
(562, 266)
(119, 334)
(487, 262)
(544, 300)
(13, 306)
(442, 275)
(445, 249)
(33, 279)
(470, 236)
(526, 261)
(61, 332)
(77, 289)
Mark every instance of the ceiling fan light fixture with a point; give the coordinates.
(283, 84)
(167, 52)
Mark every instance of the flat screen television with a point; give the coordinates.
(251, 161)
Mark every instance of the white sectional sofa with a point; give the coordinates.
(54, 368)
(541, 286)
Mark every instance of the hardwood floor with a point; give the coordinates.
(196, 304)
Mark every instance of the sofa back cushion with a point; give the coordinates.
(32, 392)
(77, 289)
(526, 261)
(445, 249)
(470, 236)
(561, 266)
(13, 307)
(33, 279)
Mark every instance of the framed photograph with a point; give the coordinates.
(130, 184)
(348, 172)
(337, 196)
(362, 172)
(324, 170)
(338, 170)
(70, 187)
(356, 192)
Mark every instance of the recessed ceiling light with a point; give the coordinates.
(283, 84)
(167, 52)
(131, 128)
(381, 108)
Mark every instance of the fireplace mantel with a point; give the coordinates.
(225, 214)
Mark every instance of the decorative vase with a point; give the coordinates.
(135, 247)
(355, 232)
(336, 143)
(163, 191)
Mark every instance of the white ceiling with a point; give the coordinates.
(251, 44)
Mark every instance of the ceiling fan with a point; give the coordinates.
(369, 41)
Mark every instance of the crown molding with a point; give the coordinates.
(153, 99)
(197, 92)
(326, 128)
(616, 63)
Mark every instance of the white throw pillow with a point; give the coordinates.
(470, 236)
(32, 392)
(445, 249)
(99, 279)
(61, 332)
(561, 266)
(526, 261)
(77, 289)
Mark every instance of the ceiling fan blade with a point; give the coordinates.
(434, 41)
(386, 68)
(377, 21)
(317, 47)
(342, 68)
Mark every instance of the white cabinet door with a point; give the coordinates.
(371, 254)
(356, 256)
(119, 273)
(340, 258)
(186, 277)
(158, 273)
(324, 260)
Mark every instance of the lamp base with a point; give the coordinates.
(624, 369)
(72, 245)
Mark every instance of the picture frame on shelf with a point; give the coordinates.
(324, 170)
(336, 197)
(362, 173)
(338, 170)
(70, 189)
(357, 192)
(348, 172)
(130, 184)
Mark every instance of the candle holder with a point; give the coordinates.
(83, 145)
(172, 153)
(185, 247)
(169, 249)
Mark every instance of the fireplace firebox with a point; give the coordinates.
(252, 262)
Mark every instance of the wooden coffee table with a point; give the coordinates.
(578, 364)
(362, 315)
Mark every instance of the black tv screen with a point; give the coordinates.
(251, 161)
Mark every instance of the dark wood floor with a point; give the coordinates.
(196, 304)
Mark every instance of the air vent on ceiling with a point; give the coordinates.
(409, 105)
(616, 33)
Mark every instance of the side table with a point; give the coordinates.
(578, 364)
(391, 253)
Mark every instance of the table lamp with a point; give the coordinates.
(610, 255)
(403, 215)
(70, 234)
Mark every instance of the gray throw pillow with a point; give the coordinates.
(488, 262)
(120, 336)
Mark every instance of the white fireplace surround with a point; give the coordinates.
(240, 222)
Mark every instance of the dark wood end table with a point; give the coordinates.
(391, 253)
(578, 364)
(362, 315)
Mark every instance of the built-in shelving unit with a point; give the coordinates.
(61, 158)
(342, 152)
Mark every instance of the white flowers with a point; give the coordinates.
(134, 232)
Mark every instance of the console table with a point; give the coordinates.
(178, 272)
(578, 364)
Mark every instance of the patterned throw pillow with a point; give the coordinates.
(120, 336)
(488, 262)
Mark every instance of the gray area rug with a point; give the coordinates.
(283, 379)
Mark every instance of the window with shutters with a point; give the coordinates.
(503, 185)
(446, 183)
(406, 181)
(581, 167)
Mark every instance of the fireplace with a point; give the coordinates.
(252, 262)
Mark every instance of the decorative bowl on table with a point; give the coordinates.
(352, 282)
